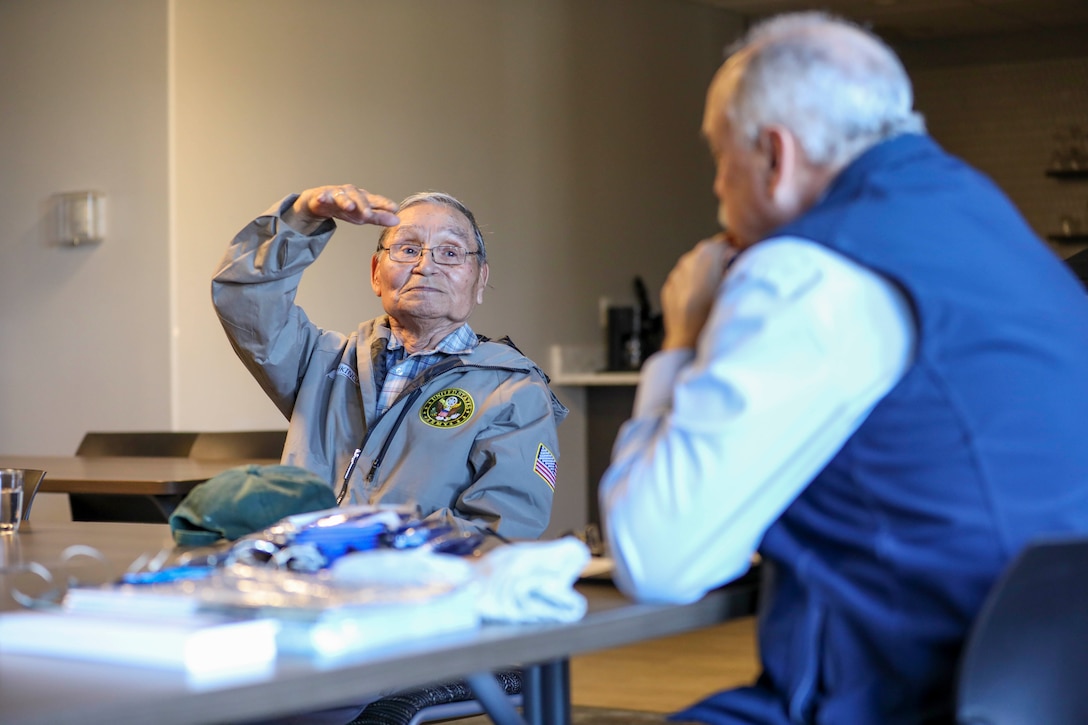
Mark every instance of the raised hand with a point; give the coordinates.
(346, 202)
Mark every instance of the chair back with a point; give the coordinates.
(256, 444)
(1027, 652)
(167, 444)
(32, 481)
(443, 702)
(129, 507)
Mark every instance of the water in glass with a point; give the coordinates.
(11, 499)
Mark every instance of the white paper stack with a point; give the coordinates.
(367, 600)
(137, 601)
(202, 646)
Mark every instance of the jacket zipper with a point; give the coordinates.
(389, 438)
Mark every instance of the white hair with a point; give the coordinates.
(438, 197)
(837, 87)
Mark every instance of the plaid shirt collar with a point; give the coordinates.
(459, 342)
(400, 369)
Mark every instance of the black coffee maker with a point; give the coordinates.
(634, 332)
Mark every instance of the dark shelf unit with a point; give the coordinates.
(1067, 173)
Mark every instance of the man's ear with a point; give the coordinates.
(485, 271)
(375, 283)
(778, 153)
(784, 173)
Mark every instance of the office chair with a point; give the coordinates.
(32, 481)
(446, 701)
(1027, 652)
(125, 507)
(161, 444)
(255, 444)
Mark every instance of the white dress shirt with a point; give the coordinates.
(800, 345)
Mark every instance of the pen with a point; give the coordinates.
(347, 475)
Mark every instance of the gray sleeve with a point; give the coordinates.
(253, 292)
(509, 494)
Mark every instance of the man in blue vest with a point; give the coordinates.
(874, 378)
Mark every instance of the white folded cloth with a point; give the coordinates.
(532, 581)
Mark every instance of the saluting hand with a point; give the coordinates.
(690, 289)
(346, 202)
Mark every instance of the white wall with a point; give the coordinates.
(85, 330)
(570, 127)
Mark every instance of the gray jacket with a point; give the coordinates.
(472, 439)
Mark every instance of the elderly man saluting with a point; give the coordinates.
(412, 407)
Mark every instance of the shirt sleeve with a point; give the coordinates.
(253, 292)
(799, 347)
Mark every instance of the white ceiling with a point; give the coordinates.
(924, 19)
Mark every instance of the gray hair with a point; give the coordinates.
(437, 197)
(839, 88)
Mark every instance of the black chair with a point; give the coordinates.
(452, 700)
(1027, 653)
(161, 444)
(253, 444)
(125, 507)
(241, 445)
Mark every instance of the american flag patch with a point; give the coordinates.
(545, 465)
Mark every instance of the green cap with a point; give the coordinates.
(246, 499)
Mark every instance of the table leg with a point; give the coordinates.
(545, 693)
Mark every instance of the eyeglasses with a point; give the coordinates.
(447, 254)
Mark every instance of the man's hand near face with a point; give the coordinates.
(690, 290)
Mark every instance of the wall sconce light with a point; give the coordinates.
(79, 217)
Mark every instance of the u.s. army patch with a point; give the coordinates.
(447, 409)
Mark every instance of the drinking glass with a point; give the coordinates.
(11, 499)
